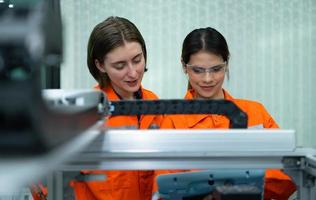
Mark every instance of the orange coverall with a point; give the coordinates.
(120, 185)
(278, 185)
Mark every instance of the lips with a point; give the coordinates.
(132, 83)
(207, 87)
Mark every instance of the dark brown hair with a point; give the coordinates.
(106, 36)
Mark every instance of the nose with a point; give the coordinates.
(132, 72)
(208, 77)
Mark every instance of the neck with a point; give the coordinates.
(123, 94)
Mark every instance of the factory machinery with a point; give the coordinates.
(57, 133)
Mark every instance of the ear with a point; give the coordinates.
(100, 66)
(227, 72)
(184, 67)
(227, 69)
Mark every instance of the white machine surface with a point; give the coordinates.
(163, 149)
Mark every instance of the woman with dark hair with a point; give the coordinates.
(205, 58)
(117, 60)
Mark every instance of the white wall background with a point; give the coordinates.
(272, 44)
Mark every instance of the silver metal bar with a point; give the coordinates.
(186, 149)
(22, 171)
(55, 186)
(311, 164)
(222, 140)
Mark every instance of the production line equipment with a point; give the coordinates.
(56, 132)
(237, 148)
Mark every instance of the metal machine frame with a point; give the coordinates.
(163, 149)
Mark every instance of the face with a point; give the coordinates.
(206, 72)
(125, 67)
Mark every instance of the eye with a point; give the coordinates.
(137, 59)
(217, 68)
(197, 70)
(119, 66)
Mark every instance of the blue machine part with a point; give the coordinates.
(189, 184)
